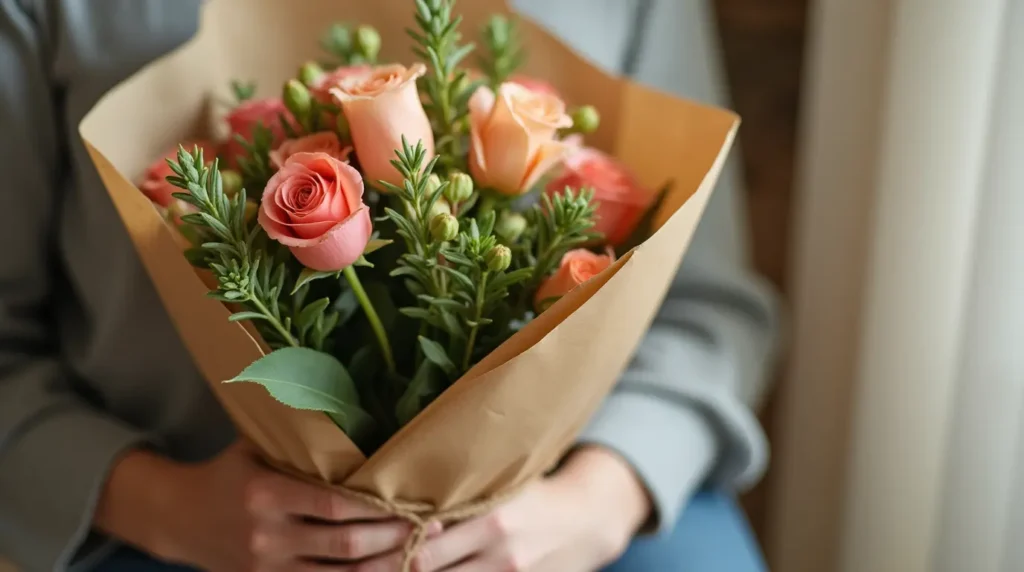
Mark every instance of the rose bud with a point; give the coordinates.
(498, 258)
(513, 137)
(576, 267)
(323, 142)
(460, 188)
(510, 226)
(298, 100)
(444, 227)
(621, 200)
(383, 105)
(314, 206)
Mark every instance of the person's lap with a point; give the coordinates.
(712, 536)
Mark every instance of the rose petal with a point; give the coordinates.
(337, 248)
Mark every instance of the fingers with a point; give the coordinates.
(459, 543)
(346, 542)
(273, 494)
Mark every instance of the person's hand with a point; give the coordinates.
(233, 514)
(578, 520)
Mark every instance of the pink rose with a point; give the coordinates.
(513, 137)
(244, 118)
(381, 106)
(576, 267)
(535, 85)
(154, 182)
(314, 206)
(621, 200)
(323, 142)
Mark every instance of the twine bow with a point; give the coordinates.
(419, 514)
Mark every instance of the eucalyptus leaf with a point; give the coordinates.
(435, 353)
(302, 378)
(422, 386)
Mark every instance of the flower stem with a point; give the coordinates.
(479, 310)
(285, 334)
(371, 316)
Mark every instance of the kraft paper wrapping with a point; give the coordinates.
(512, 416)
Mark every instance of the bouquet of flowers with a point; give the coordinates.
(412, 282)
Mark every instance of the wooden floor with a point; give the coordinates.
(763, 43)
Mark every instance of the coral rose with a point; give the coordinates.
(513, 137)
(154, 182)
(243, 120)
(314, 206)
(382, 105)
(621, 200)
(577, 266)
(324, 142)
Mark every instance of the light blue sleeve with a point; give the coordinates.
(682, 414)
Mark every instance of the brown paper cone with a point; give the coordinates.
(512, 416)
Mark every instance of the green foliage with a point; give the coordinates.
(243, 90)
(505, 53)
(558, 224)
(307, 379)
(254, 163)
(446, 86)
(249, 272)
(350, 47)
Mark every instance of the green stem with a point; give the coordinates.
(275, 322)
(371, 316)
(479, 310)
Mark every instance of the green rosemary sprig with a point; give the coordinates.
(235, 252)
(505, 53)
(558, 224)
(254, 164)
(447, 87)
(243, 90)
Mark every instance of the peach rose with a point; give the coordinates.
(535, 85)
(244, 118)
(576, 267)
(321, 90)
(324, 142)
(621, 200)
(154, 182)
(513, 137)
(314, 206)
(381, 106)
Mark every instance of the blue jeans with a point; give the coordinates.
(712, 536)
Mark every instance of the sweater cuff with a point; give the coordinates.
(51, 476)
(671, 449)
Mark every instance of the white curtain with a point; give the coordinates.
(902, 447)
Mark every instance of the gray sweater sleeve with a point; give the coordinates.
(682, 413)
(56, 446)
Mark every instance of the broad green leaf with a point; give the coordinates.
(435, 353)
(376, 244)
(308, 275)
(302, 378)
(422, 386)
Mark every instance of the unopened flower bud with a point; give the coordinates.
(498, 258)
(444, 227)
(368, 42)
(310, 74)
(586, 119)
(433, 183)
(460, 187)
(510, 226)
(251, 210)
(440, 206)
(297, 99)
(231, 182)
